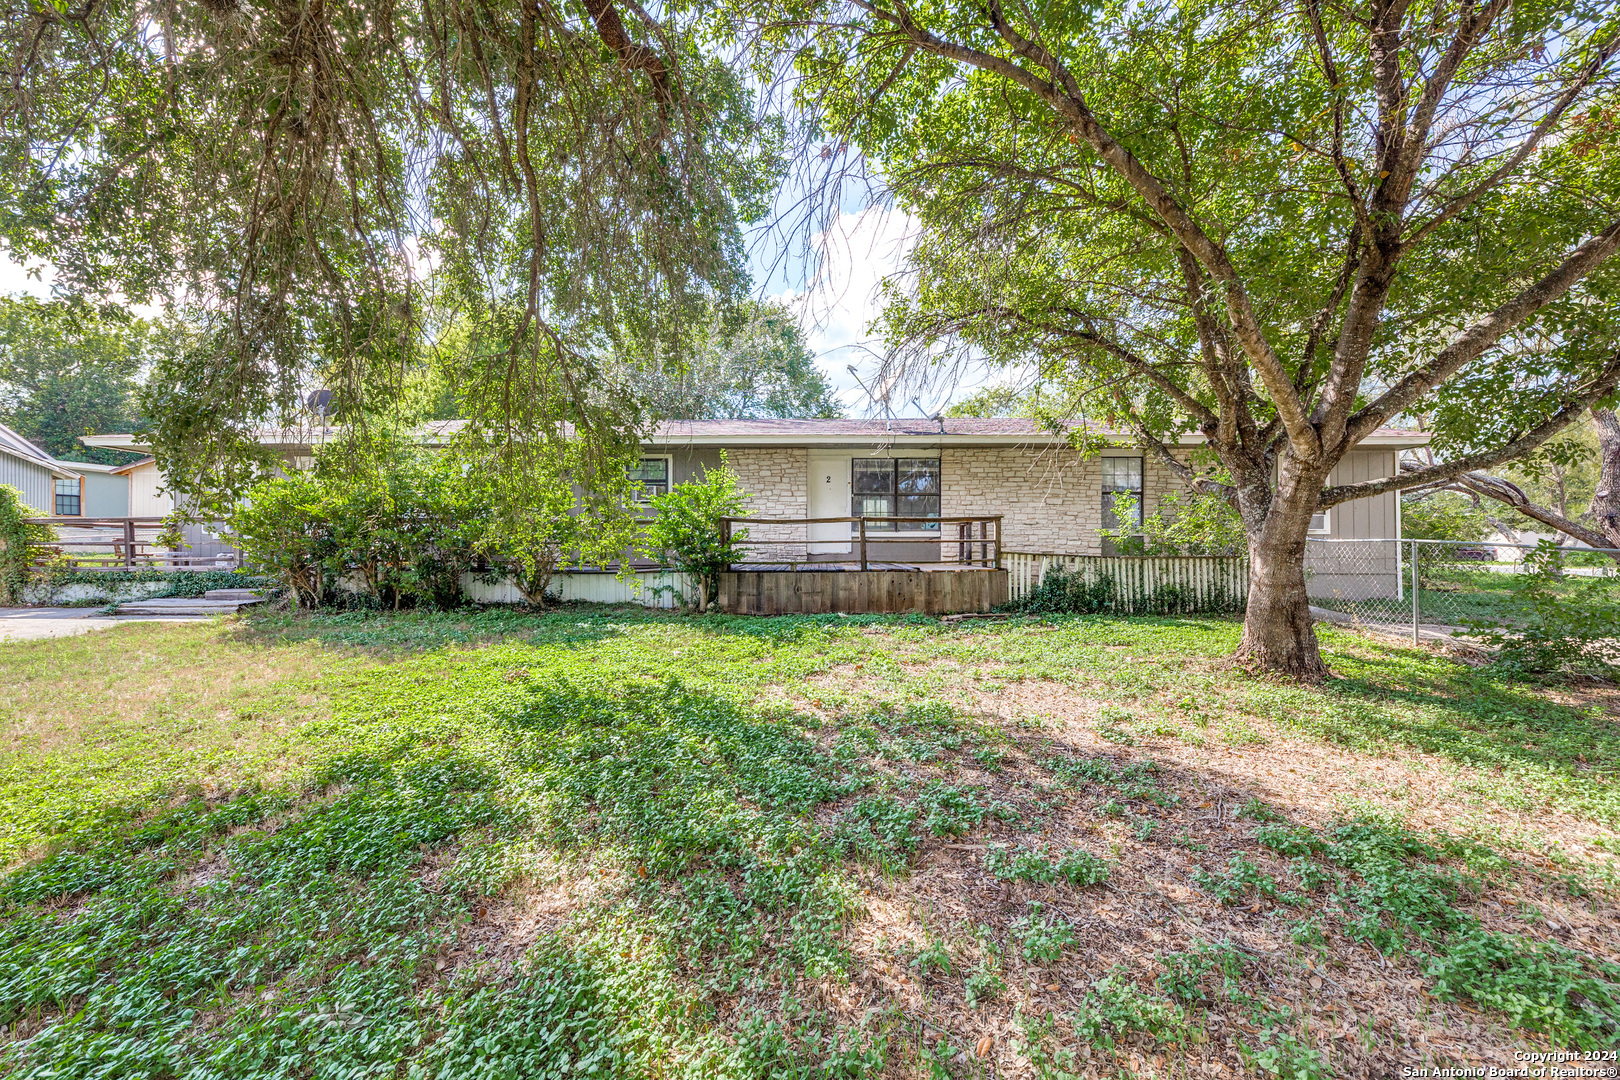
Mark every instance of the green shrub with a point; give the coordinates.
(1541, 986)
(1062, 591)
(686, 529)
(1563, 623)
(20, 543)
(1443, 515)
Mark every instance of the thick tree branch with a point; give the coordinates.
(1473, 342)
(1601, 386)
(1512, 495)
(1062, 92)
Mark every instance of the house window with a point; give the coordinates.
(1319, 522)
(653, 475)
(896, 487)
(1120, 476)
(67, 498)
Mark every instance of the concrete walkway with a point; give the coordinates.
(28, 624)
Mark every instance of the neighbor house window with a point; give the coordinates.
(1121, 476)
(67, 498)
(896, 487)
(653, 473)
(1319, 522)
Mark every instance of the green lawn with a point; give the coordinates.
(607, 842)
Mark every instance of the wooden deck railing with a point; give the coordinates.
(960, 541)
(124, 543)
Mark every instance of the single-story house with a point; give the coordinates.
(47, 485)
(60, 488)
(1051, 498)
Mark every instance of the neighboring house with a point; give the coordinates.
(58, 488)
(143, 489)
(1051, 498)
(106, 490)
(49, 486)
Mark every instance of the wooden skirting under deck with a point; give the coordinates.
(820, 592)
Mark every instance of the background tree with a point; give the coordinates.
(318, 185)
(1571, 485)
(752, 363)
(1283, 226)
(67, 371)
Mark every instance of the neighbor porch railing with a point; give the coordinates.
(1201, 582)
(126, 543)
(968, 542)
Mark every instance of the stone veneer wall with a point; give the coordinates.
(777, 480)
(1050, 498)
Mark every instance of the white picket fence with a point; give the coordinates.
(1204, 581)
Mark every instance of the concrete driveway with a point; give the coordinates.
(28, 624)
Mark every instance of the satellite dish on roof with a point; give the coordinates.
(319, 402)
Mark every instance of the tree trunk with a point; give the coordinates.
(1605, 511)
(1278, 635)
(1277, 631)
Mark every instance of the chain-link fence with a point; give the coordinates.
(1442, 585)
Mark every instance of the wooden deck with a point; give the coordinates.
(830, 588)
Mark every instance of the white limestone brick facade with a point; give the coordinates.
(1050, 499)
(777, 480)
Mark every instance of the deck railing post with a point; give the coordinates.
(725, 537)
(998, 541)
(863, 543)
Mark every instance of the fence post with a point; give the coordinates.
(1415, 639)
(863, 542)
(129, 543)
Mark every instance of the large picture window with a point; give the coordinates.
(67, 498)
(896, 487)
(1121, 476)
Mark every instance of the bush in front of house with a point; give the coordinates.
(20, 543)
(390, 524)
(686, 531)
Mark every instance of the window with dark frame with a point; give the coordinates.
(896, 487)
(67, 498)
(653, 473)
(1120, 476)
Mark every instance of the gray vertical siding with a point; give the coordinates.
(1371, 518)
(35, 482)
(106, 495)
(688, 463)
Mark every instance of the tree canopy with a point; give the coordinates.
(1283, 226)
(66, 371)
(752, 363)
(321, 187)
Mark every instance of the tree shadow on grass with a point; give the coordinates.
(1474, 717)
